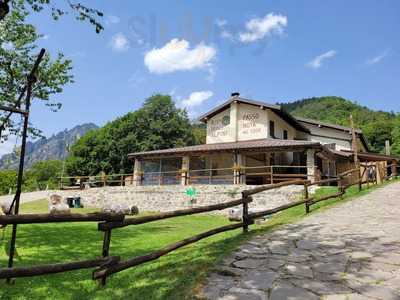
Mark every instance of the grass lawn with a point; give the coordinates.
(174, 276)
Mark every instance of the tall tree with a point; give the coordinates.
(18, 52)
(157, 125)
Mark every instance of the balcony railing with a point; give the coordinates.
(234, 175)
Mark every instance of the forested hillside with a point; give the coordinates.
(377, 126)
(158, 124)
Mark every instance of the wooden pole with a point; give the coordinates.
(306, 195)
(246, 213)
(272, 174)
(56, 268)
(30, 82)
(106, 252)
(123, 265)
(267, 187)
(354, 140)
(56, 218)
(355, 150)
(171, 214)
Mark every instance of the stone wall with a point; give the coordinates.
(167, 198)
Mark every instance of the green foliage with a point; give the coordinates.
(8, 179)
(81, 11)
(43, 174)
(157, 125)
(199, 131)
(396, 135)
(17, 55)
(174, 276)
(377, 126)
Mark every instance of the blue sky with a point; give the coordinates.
(201, 51)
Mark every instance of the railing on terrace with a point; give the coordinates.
(270, 174)
(108, 265)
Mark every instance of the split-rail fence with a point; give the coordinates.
(107, 265)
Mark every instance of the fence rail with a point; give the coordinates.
(108, 265)
(273, 174)
(54, 218)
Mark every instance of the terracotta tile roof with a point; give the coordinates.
(264, 144)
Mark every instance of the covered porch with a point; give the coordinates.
(250, 162)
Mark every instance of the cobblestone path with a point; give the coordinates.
(351, 251)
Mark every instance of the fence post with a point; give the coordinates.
(245, 216)
(272, 174)
(106, 251)
(306, 195)
(359, 179)
(340, 186)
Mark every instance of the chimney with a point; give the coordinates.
(387, 147)
(235, 94)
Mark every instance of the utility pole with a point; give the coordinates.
(387, 147)
(31, 79)
(354, 145)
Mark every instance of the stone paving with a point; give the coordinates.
(349, 252)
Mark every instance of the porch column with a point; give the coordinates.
(185, 170)
(311, 165)
(239, 175)
(137, 173)
(394, 168)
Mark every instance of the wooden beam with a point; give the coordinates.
(267, 212)
(57, 268)
(166, 215)
(13, 110)
(54, 218)
(271, 186)
(123, 265)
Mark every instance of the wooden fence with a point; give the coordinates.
(269, 174)
(108, 265)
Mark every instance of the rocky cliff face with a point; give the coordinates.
(54, 147)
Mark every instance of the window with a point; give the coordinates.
(272, 129)
(285, 135)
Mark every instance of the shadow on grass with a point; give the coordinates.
(172, 277)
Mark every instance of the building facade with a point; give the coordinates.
(252, 142)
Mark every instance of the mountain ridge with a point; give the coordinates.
(54, 147)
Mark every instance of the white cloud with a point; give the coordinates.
(378, 58)
(193, 102)
(317, 61)
(258, 28)
(224, 32)
(196, 99)
(119, 42)
(176, 55)
(45, 36)
(110, 19)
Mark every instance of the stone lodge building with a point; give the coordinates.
(251, 142)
